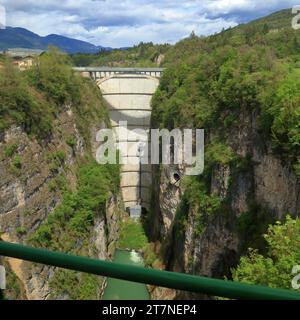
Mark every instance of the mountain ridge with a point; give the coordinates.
(12, 37)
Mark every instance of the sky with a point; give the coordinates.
(121, 23)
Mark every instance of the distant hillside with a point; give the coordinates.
(150, 55)
(277, 20)
(141, 55)
(22, 38)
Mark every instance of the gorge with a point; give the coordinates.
(233, 221)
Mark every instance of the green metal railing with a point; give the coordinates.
(174, 280)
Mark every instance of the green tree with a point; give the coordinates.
(283, 253)
(52, 74)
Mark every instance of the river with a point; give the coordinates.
(126, 290)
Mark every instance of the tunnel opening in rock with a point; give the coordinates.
(176, 177)
(144, 211)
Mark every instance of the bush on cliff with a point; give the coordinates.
(274, 269)
(69, 225)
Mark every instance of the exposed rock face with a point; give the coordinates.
(220, 181)
(28, 194)
(276, 185)
(158, 293)
(169, 197)
(160, 59)
(25, 196)
(268, 181)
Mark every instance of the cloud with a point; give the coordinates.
(127, 22)
(245, 10)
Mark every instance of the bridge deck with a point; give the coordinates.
(116, 69)
(98, 73)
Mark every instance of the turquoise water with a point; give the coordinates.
(126, 290)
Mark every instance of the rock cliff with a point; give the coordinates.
(34, 175)
(260, 191)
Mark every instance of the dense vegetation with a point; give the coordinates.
(33, 98)
(142, 55)
(213, 83)
(132, 235)
(68, 228)
(275, 267)
(69, 224)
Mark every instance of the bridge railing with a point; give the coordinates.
(174, 280)
(104, 72)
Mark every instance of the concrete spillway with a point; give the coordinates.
(128, 92)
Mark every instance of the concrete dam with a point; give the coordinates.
(128, 93)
